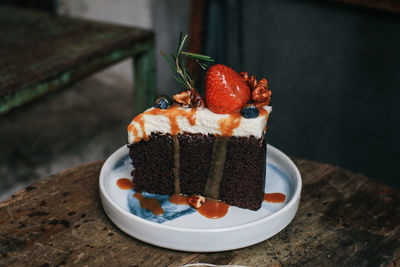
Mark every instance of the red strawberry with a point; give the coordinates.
(226, 90)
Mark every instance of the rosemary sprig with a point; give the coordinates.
(178, 63)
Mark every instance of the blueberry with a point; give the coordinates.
(250, 111)
(162, 102)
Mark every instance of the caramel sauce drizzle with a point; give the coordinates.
(150, 204)
(264, 112)
(227, 125)
(124, 183)
(213, 209)
(171, 113)
(274, 197)
(130, 127)
(179, 199)
(140, 120)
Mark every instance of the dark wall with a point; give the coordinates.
(170, 17)
(334, 72)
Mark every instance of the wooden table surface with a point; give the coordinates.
(344, 219)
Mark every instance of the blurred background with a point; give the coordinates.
(333, 68)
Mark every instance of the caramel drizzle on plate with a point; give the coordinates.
(124, 183)
(213, 209)
(274, 197)
(150, 204)
(178, 199)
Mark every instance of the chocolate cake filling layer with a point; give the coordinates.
(217, 167)
(231, 169)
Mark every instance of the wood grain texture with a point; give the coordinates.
(40, 53)
(344, 219)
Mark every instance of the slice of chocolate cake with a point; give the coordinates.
(193, 151)
(215, 149)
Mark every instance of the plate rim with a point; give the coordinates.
(285, 208)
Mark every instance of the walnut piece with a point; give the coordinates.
(183, 98)
(196, 201)
(260, 94)
(189, 98)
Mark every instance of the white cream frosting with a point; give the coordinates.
(206, 122)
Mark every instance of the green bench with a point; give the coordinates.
(41, 53)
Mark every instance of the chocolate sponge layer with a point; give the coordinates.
(244, 172)
(243, 178)
(153, 163)
(195, 154)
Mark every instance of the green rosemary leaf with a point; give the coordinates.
(180, 81)
(198, 56)
(202, 65)
(172, 65)
(186, 74)
(181, 45)
(189, 76)
(182, 71)
(180, 41)
(183, 68)
(173, 57)
(178, 63)
(181, 63)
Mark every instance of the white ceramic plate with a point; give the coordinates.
(182, 228)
